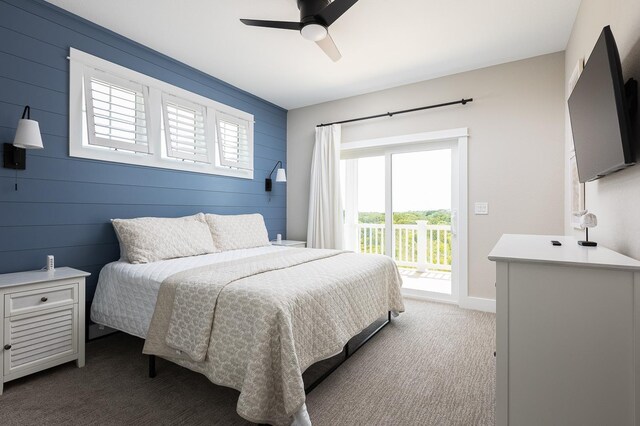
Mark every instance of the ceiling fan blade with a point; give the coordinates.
(334, 10)
(273, 24)
(330, 48)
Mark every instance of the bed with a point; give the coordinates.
(251, 319)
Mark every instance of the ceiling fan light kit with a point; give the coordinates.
(314, 32)
(315, 18)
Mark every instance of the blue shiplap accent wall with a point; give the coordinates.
(63, 205)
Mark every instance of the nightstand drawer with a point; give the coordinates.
(39, 299)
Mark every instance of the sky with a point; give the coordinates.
(421, 181)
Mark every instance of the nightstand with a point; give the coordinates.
(290, 243)
(42, 321)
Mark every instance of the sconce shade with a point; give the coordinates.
(281, 175)
(28, 135)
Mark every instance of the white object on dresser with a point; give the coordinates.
(289, 243)
(567, 333)
(42, 321)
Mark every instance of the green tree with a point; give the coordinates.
(434, 217)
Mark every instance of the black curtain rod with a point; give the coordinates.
(391, 114)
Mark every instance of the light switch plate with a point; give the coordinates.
(481, 208)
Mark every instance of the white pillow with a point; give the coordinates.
(232, 232)
(149, 239)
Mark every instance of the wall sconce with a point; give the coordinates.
(281, 176)
(27, 137)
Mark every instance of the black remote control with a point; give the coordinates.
(556, 243)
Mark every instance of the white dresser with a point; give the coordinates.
(42, 321)
(568, 333)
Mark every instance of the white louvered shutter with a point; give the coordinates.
(185, 130)
(116, 113)
(235, 141)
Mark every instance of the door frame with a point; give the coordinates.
(457, 140)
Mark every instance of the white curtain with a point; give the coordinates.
(325, 203)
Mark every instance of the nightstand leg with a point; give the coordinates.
(82, 336)
(1, 386)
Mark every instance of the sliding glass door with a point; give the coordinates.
(400, 202)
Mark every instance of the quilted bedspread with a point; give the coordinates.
(256, 324)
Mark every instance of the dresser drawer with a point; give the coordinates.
(39, 299)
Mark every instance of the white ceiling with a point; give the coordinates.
(384, 43)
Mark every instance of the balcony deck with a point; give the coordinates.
(434, 281)
(422, 251)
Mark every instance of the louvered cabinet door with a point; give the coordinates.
(39, 339)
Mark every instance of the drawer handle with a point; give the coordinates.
(7, 347)
(43, 299)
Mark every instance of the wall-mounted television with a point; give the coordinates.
(601, 109)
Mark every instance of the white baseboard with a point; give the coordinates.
(474, 303)
(420, 295)
(478, 304)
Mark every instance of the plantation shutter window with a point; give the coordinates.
(185, 130)
(235, 146)
(116, 113)
(122, 116)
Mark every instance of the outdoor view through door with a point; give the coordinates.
(405, 197)
(422, 219)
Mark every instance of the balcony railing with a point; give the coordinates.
(421, 246)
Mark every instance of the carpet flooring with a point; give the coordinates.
(433, 365)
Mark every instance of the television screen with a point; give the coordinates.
(599, 115)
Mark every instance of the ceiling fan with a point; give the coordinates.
(315, 18)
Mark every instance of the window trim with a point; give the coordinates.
(80, 62)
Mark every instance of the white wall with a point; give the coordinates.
(516, 147)
(615, 199)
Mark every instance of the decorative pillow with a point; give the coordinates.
(149, 239)
(232, 232)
